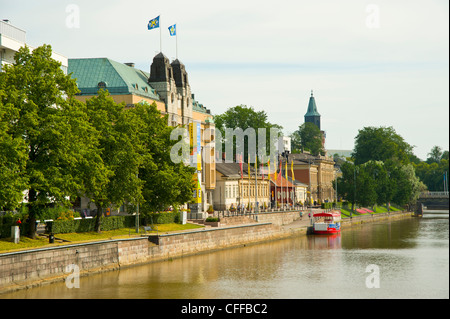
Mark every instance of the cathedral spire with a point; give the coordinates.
(312, 115)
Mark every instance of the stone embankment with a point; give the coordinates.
(35, 267)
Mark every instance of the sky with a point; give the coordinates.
(368, 62)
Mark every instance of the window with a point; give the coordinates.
(101, 85)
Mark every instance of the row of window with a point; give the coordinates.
(232, 191)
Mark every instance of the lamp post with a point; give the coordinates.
(137, 211)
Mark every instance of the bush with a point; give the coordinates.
(326, 205)
(212, 219)
(87, 225)
(162, 218)
(10, 219)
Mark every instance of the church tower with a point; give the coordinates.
(312, 116)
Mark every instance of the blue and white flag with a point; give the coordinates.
(153, 24)
(173, 30)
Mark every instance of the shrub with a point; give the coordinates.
(328, 205)
(87, 225)
(212, 219)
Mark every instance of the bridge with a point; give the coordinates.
(432, 201)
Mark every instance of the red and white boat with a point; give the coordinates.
(327, 222)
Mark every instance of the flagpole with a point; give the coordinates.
(256, 185)
(176, 42)
(160, 37)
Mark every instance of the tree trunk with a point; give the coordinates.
(32, 213)
(98, 219)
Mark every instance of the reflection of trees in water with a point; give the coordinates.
(385, 234)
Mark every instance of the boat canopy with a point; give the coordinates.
(328, 214)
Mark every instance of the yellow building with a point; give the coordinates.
(236, 190)
(166, 85)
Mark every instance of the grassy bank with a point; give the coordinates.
(27, 243)
(377, 210)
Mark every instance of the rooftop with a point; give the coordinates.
(118, 78)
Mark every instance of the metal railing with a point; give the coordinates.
(434, 195)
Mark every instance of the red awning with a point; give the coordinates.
(333, 213)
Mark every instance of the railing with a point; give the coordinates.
(12, 32)
(434, 195)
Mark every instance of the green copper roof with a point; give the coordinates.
(312, 108)
(118, 78)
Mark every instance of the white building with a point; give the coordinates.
(12, 39)
(284, 144)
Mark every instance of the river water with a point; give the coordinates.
(406, 258)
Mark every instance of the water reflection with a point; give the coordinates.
(412, 255)
(325, 241)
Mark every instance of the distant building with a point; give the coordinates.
(317, 172)
(236, 190)
(340, 153)
(313, 116)
(284, 144)
(12, 39)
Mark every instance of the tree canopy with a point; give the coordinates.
(243, 117)
(52, 125)
(380, 144)
(308, 137)
(54, 148)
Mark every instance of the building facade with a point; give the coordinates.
(12, 39)
(238, 189)
(168, 87)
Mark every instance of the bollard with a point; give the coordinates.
(15, 234)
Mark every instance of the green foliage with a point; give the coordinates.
(432, 175)
(165, 183)
(380, 144)
(308, 137)
(41, 111)
(13, 156)
(212, 219)
(435, 155)
(88, 225)
(244, 117)
(328, 205)
(114, 179)
(161, 218)
(379, 183)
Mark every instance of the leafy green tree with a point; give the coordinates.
(346, 183)
(13, 156)
(243, 117)
(380, 144)
(308, 137)
(51, 123)
(165, 183)
(115, 179)
(432, 174)
(408, 185)
(435, 155)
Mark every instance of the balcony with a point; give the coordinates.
(12, 32)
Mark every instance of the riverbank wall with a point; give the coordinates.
(35, 267)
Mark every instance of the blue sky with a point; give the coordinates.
(370, 63)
